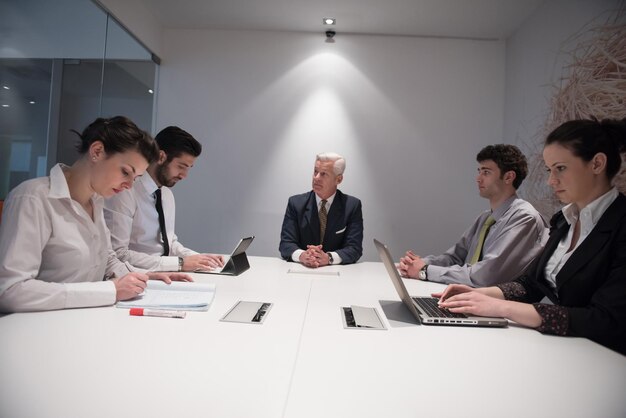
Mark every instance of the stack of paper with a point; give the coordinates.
(177, 295)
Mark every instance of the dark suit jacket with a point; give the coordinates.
(591, 286)
(344, 227)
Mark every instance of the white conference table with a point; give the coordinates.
(301, 362)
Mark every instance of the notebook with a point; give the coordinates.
(187, 296)
(425, 309)
(235, 263)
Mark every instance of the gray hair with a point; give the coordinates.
(340, 162)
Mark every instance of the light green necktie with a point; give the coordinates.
(481, 239)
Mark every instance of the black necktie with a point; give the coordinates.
(159, 208)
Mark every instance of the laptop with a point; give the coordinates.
(235, 263)
(425, 309)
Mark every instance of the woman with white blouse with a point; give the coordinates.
(582, 269)
(55, 249)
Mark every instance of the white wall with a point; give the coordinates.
(537, 56)
(409, 114)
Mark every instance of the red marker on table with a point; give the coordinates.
(156, 312)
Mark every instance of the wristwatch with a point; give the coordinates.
(180, 263)
(330, 258)
(422, 275)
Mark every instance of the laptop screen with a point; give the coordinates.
(242, 246)
(385, 257)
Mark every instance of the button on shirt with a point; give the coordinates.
(297, 253)
(52, 254)
(134, 223)
(516, 238)
(589, 217)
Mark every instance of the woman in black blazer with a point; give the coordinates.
(582, 269)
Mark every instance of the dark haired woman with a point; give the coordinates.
(582, 269)
(55, 249)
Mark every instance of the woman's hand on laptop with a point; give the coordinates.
(202, 262)
(485, 301)
(451, 290)
(457, 289)
(474, 302)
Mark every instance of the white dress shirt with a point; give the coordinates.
(589, 217)
(52, 254)
(297, 253)
(134, 224)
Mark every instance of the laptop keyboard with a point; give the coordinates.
(429, 305)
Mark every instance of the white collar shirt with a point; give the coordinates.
(134, 223)
(589, 217)
(329, 202)
(52, 254)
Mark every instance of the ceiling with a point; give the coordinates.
(479, 19)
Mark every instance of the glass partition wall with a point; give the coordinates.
(63, 64)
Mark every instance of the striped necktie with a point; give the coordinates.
(323, 214)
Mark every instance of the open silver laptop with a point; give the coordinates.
(425, 309)
(235, 263)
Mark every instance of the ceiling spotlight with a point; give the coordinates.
(6, 87)
(329, 21)
(150, 91)
(5, 105)
(32, 102)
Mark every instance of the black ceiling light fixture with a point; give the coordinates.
(330, 33)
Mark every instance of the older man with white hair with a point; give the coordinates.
(323, 226)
